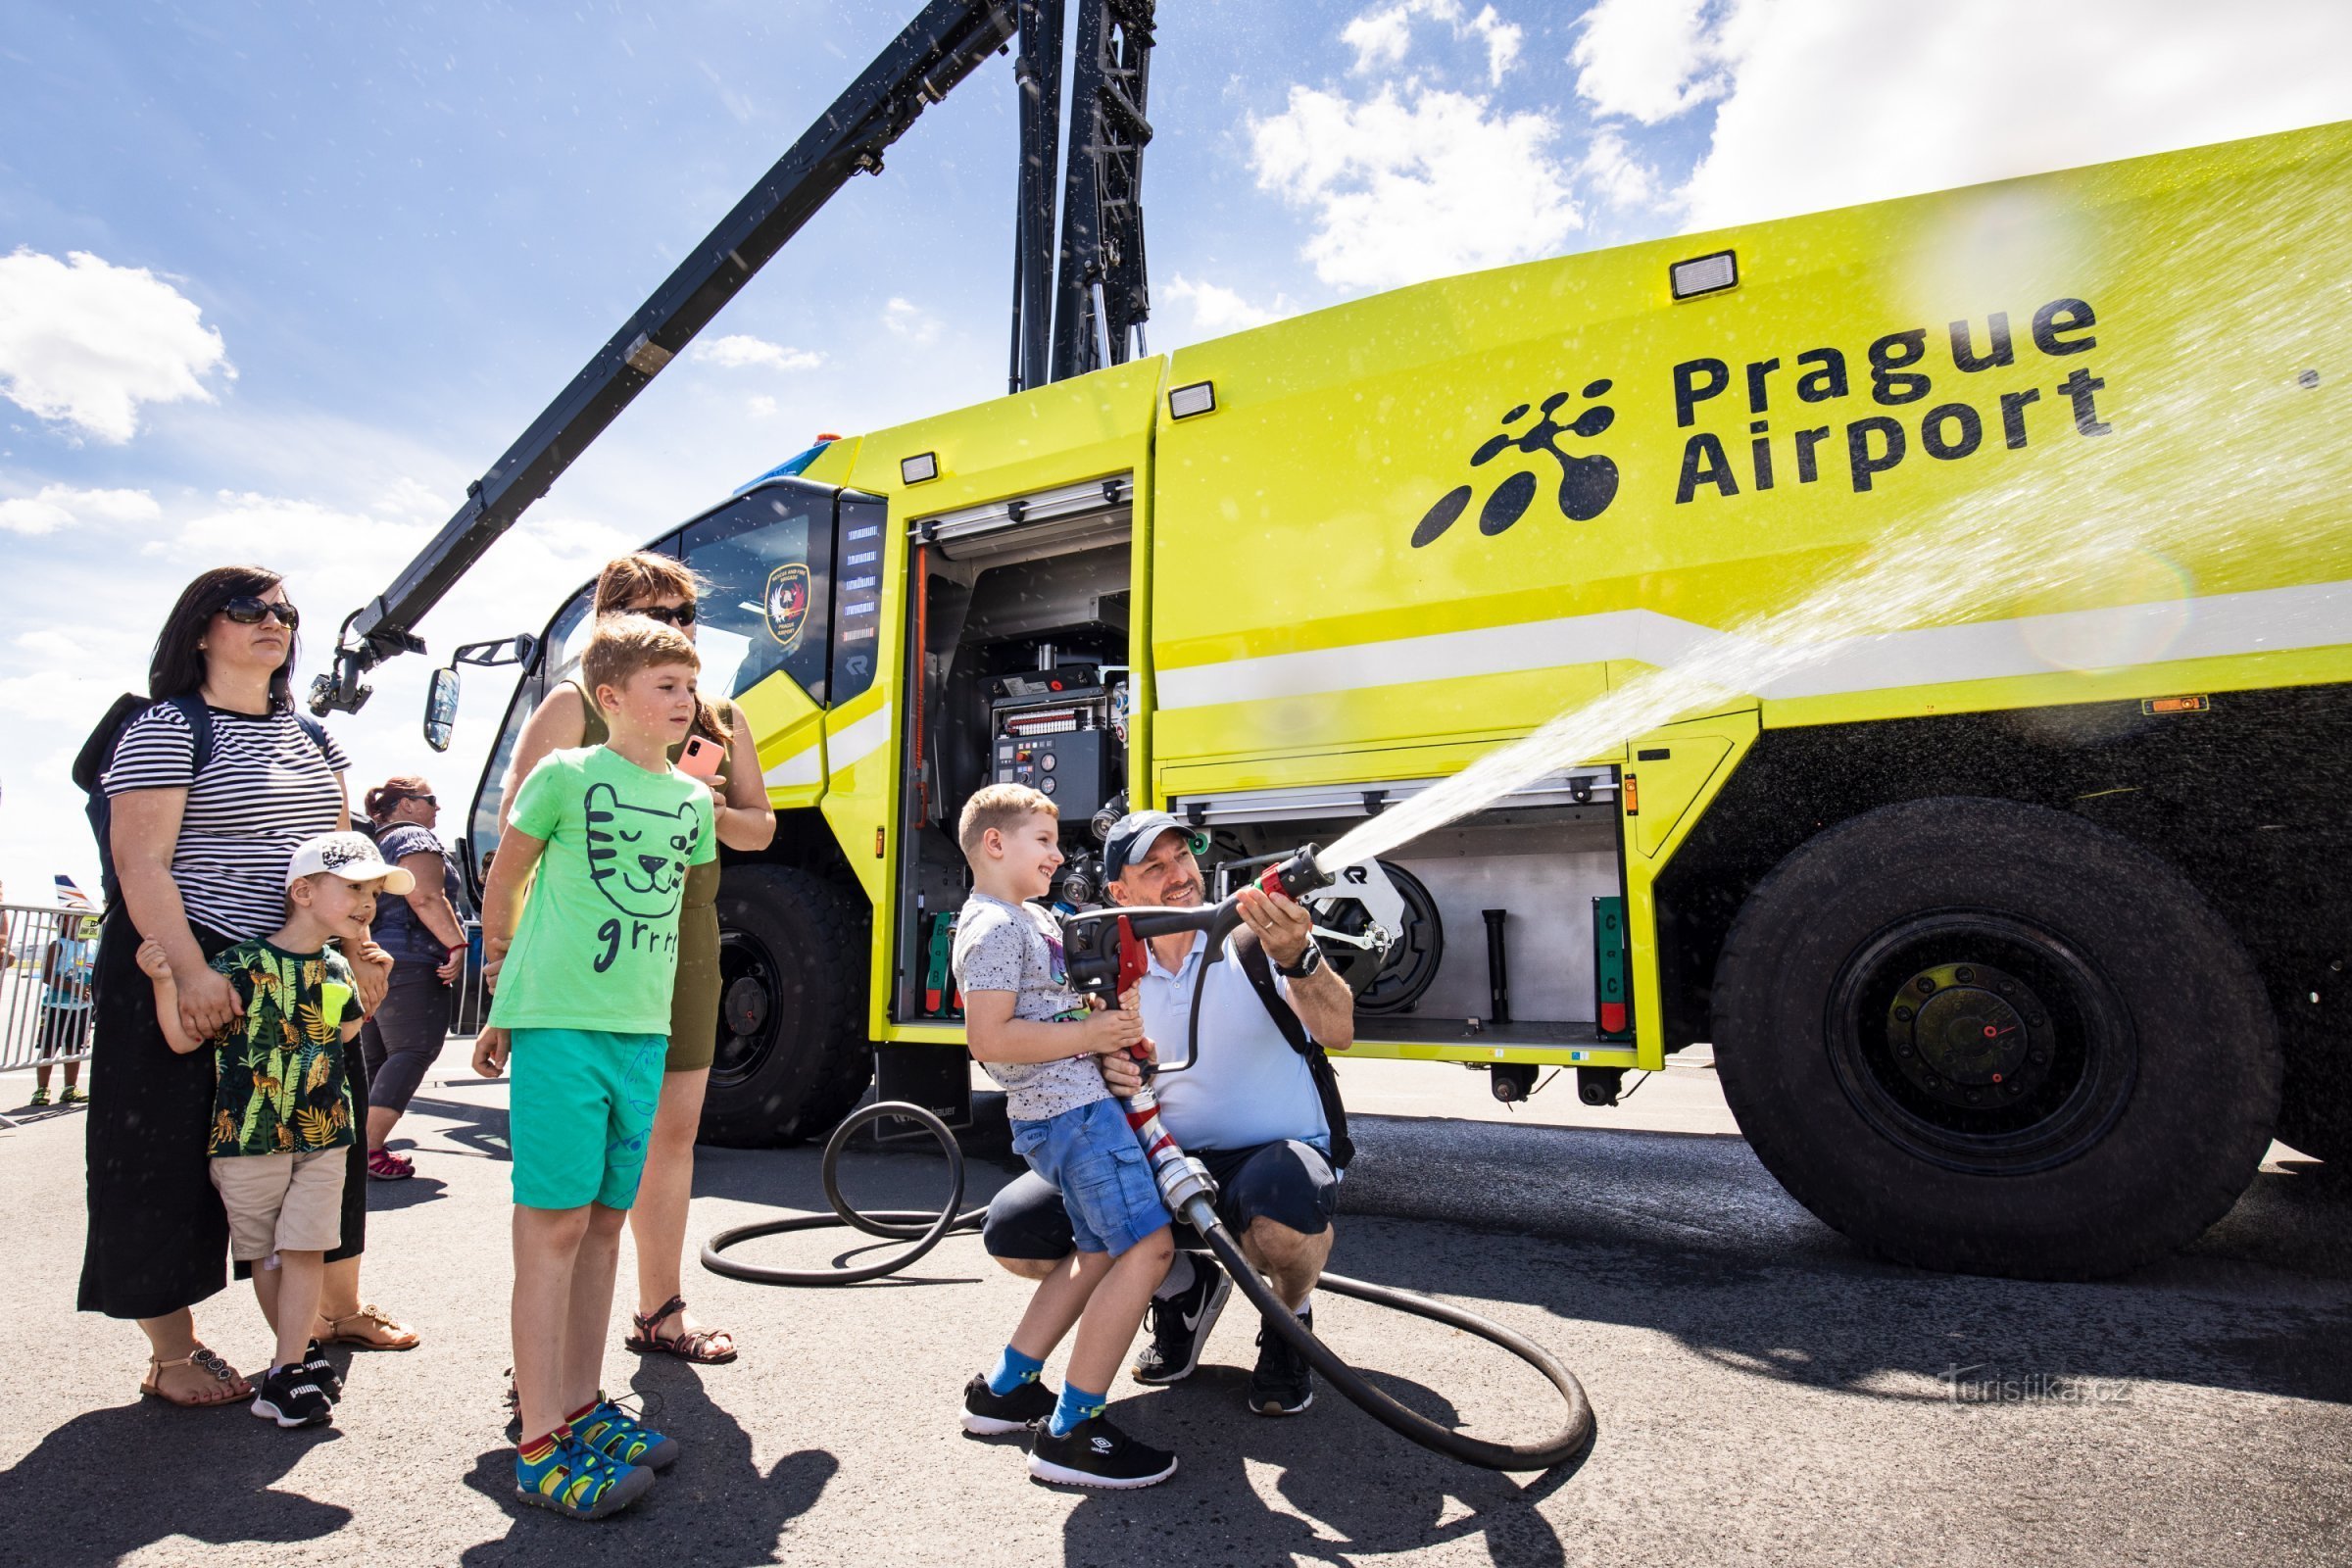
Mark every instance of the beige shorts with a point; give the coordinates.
(282, 1203)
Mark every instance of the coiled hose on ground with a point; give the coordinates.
(928, 1230)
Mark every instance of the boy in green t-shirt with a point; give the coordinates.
(582, 995)
(282, 1116)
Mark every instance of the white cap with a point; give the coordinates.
(352, 857)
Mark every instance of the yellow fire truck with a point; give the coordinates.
(2007, 917)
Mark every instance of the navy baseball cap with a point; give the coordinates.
(1133, 835)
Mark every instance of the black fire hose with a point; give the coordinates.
(929, 1230)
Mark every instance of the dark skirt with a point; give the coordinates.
(158, 1237)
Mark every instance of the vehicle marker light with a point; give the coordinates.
(2155, 706)
(1704, 275)
(916, 469)
(1630, 789)
(1187, 401)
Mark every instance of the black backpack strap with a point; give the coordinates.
(1260, 972)
(199, 715)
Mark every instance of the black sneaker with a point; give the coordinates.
(290, 1398)
(1179, 1326)
(317, 1368)
(1096, 1454)
(989, 1415)
(1283, 1384)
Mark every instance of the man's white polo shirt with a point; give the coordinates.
(1250, 1087)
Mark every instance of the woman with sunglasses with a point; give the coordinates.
(200, 846)
(427, 944)
(662, 587)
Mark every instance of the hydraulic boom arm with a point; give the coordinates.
(942, 46)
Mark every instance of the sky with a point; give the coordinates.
(277, 279)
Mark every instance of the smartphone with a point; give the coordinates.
(701, 757)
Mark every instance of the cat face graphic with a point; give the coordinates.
(637, 858)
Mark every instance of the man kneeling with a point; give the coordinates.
(1250, 1110)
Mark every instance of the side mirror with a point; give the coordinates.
(441, 708)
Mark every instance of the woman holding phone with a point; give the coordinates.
(721, 752)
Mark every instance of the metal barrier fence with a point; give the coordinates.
(45, 984)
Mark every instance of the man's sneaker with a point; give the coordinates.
(988, 1413)
(40, 1097)
(317, 1368)
(1096, 1454)
(1180, 1325)
(577, 1481)
(291, 1398)
(1283, 1384)
(72, 1097)
(617, 1435)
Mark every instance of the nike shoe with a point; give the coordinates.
(1096, 1454)
(1180, 1325)
(291, 1398)
(577, 1481)
(1283, 1384)
(989, 1415)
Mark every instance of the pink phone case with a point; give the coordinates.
(699, 758)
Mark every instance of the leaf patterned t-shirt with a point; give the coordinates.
(282, 1087)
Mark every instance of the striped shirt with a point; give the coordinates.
(265, 789)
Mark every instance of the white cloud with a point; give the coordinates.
(85, 344)
(1826, 103)
(908, 321)
(1217, 310)
(740, 349)
(1652, 58)
(1382, 36)
(60, 505)
(761, 407)
(1404, 192)
(1611, 170)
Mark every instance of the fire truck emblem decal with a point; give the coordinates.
(1588, 484)
(786, 604)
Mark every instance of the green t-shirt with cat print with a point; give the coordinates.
(597, 946)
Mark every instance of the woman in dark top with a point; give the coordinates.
(201, 855)
(427, 944)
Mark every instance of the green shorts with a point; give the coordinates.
(580, 1109)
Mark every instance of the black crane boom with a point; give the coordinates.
(944, 44)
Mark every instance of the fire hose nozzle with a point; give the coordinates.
(1297, 876)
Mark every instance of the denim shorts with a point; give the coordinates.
(1092, 1158)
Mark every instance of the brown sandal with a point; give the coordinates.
(699, 1347)
(372, 1318)
(202, 1359)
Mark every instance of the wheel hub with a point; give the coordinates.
(1966, 1033)
(745, 1006)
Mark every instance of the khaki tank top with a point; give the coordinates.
(702, 881)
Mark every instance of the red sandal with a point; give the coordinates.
(700, 1347)
(383, 1165)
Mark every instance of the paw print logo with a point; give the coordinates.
(1588, 484)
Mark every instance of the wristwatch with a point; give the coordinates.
(1308, 963)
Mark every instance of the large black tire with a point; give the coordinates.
(793, 1052)
(1994, 1038)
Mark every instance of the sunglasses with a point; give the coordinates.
(248, 610)
(681, 616)
(429, 800)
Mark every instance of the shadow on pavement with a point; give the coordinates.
(715, 1511)
(111, 1482)
(1362, 1491)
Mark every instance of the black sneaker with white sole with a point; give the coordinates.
(291, 1398)
(1283, 1384)
(317, 1368)
(1180, 1325)
(989, 1415)
(1096, 1454)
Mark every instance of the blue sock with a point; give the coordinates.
(1075, 1406)
(1013, 1370)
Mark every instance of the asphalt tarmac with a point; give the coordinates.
(1764, 1393)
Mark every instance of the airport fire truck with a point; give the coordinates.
(2014, 910)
